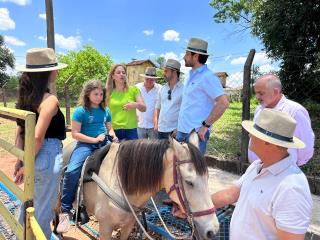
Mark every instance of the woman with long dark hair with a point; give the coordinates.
(40, 70)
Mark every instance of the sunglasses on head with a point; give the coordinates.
(169, 94)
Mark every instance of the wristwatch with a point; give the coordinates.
(205, 124)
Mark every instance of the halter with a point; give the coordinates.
(178, 187)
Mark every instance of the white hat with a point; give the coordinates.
(274, 127)
(40, 60)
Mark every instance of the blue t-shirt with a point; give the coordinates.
(93, 122)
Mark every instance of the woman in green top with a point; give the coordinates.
(123, 100)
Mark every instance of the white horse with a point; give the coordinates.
(142, 168)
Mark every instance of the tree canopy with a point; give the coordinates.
(6, 60)
(84, 65)
(290, 32)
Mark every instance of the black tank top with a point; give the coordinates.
(57, 126)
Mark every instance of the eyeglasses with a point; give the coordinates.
(169, 94)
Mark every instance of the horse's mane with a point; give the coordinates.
(140, 165)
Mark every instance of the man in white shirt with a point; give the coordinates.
(149, 91)
(268, 90)
(273, 196)
(169, 101)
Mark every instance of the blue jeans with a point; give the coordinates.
(184, 137)
(148, 133)
(73, 172)
(126, 134)
(48, 166)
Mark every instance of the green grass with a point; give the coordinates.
(224, 142)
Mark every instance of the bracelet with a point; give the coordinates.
(205, 124)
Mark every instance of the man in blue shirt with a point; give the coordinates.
(203, 100)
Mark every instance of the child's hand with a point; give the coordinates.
(101, 137)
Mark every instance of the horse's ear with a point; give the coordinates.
(177, 147)
(194, 139)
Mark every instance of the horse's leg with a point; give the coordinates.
(105, 230)
(126, 230)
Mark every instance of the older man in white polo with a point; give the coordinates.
(169, 101)
(273, 196)
(149, 91)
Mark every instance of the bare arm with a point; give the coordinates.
(141, 106)
(226, 196)
(156, 118)
(138, 104)
(77, 135)
(221, 104)
(282, 235)
(111, 131)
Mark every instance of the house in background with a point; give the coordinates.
(223, 78)
(135, 68)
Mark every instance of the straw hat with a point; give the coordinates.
(274, 127)
(40, 60)
(172, 64)
(150, 73)
(197, 45)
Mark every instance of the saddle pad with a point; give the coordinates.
(94, 161)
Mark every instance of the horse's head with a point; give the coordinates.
(186, 166)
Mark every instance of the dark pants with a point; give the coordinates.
(163, 135)
(126, 134)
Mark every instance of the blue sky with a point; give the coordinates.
(128, 29)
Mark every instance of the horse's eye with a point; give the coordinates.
(189, 183)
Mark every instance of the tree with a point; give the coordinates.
(290, 32)
(160, 61)
(84, 65)
(6, 60)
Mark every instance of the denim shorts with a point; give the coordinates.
(48, 166)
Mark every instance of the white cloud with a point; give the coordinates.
(141, 50)
(239, 60)
(235, 79)
(148, 32)
(42, 16)
(19, 2)
(42, 38)
(168, 55)
(266, 68)
(69, 43)
(152, 54)
(259, 58)
(171, 35)
(14, 41)
(6, 22)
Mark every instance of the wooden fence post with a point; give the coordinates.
(67, 101)
(246, 105)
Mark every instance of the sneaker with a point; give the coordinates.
(64, 223)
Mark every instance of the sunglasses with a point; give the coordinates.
(169, 94)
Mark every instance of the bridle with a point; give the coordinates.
(178, 187)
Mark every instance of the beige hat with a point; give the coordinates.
(197, 45)
(40, 60)
(150, 73)
(172, 64)
(274, 127)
